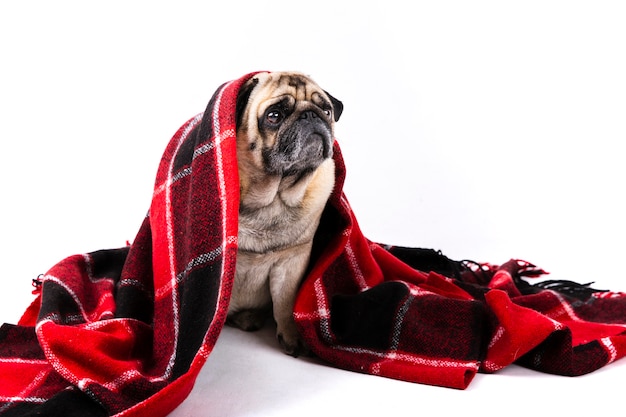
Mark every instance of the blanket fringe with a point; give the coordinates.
(481, 273)
(37, 283)
(570, 288)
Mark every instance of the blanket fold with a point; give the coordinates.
(125, 332)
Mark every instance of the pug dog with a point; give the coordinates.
(285, 125)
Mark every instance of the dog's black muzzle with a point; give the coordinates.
(302, 146)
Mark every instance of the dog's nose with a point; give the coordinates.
(308, 115)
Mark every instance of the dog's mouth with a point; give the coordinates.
(301, 147)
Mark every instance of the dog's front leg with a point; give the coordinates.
(285, 278)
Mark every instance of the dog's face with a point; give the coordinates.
(285, 124)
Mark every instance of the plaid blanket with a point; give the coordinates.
(126, 331)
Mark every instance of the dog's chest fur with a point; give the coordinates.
(278, 218)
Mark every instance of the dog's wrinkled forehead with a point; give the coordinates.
(289, 85)
(294, 91)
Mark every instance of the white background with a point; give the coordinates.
(486, 129)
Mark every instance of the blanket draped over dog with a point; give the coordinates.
(125, 331)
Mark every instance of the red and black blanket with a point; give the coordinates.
(125, 332)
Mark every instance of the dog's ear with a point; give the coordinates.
(337, 105)
(243, 96)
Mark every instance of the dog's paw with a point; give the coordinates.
(292, 344)
(248, 320)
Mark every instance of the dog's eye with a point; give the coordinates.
(273, 117)
(327, 112)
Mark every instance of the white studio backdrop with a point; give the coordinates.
(486, 129)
